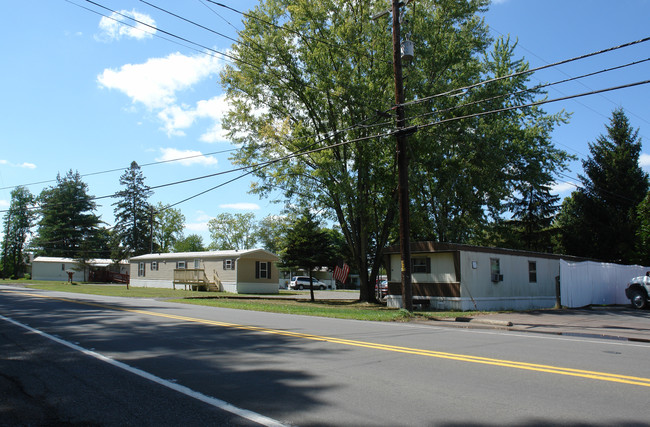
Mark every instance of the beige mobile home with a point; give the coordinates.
(238, 271)
(462, 277)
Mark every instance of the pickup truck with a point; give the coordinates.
(638, 290)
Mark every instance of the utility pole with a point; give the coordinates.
(402, 165)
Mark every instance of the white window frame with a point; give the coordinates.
(181, 265)
(532, 272)
(197, 264)
(141, 269)
(154, 265)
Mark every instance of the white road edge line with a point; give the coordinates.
(217, 403)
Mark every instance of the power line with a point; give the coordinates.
(260, 165)
(532, 89)
(121, 169)
(534, 104)
(529, 71)
(225, 55)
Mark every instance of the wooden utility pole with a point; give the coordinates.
(402, 165)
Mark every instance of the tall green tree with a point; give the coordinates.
(16, 229)
(67, 218)
(320, 75)
(191, 243)
(307, 246)
(132, 233)
(271, 231)
(600, 220)
(233, 231)
(474, 171)
(168, 227)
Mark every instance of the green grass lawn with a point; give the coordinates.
(343, 309)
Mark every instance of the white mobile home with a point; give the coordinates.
(237, 271)
(57, 269)
(462, 277)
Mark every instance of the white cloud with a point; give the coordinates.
(189, 157)
(241, 206)
(156, 82)
(177, 118)
(114, 28)
(24, 165)
(644, 160)
(4, 203)
(562, 187)
(200, 224)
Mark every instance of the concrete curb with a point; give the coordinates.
(491, 322)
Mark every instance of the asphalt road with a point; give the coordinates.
(300, 370)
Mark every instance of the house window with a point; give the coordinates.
(262, 270)
(180, 265)
(154, 265)
(228, 264)
(421, 265)
(495, 270)
(532, 271)
(62, 267)
(197, 264)
(141, 269)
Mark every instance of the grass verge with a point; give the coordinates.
(342, 309)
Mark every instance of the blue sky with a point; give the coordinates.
(82, 93)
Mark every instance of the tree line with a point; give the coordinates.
(62, 222)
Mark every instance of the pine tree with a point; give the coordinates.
(67, 217)
(600, 220)
(133, 216)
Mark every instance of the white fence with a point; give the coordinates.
(598, 283)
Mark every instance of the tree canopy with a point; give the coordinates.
(168, 227)
(228, 231)
(312, 75)
(17, 223)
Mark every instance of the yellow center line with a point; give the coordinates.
(602, 376)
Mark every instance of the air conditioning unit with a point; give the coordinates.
(497, 277)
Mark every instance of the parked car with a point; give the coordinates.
(638, 291)
(302, 282)
(381, 289)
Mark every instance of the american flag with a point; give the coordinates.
(341, 274)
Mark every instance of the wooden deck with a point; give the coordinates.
(194, 279)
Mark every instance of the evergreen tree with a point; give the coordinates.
(600, 219)
(132, 234)
(643, 233)
(67, 218)
(307, 246)
(17, 223)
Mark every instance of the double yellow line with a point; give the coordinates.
(601, 376)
